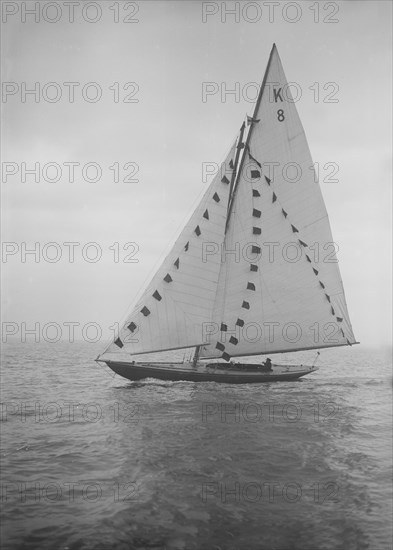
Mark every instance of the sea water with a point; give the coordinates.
(93, 461)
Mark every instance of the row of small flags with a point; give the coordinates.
(256, 174)
(256, 213)
(168, 278)
(253, 267)
(304, 245)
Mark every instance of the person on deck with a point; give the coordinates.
(268, 364)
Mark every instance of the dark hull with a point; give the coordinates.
(177, 372)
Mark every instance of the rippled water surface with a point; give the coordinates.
(91, 461)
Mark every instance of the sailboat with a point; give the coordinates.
(254, 270)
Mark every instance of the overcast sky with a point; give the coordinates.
(168, 53)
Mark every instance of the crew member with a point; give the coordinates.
(268, 364)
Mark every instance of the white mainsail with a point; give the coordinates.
(260, 276)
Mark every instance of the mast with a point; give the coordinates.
(239, 147)
(246, 146)
(196, 355)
